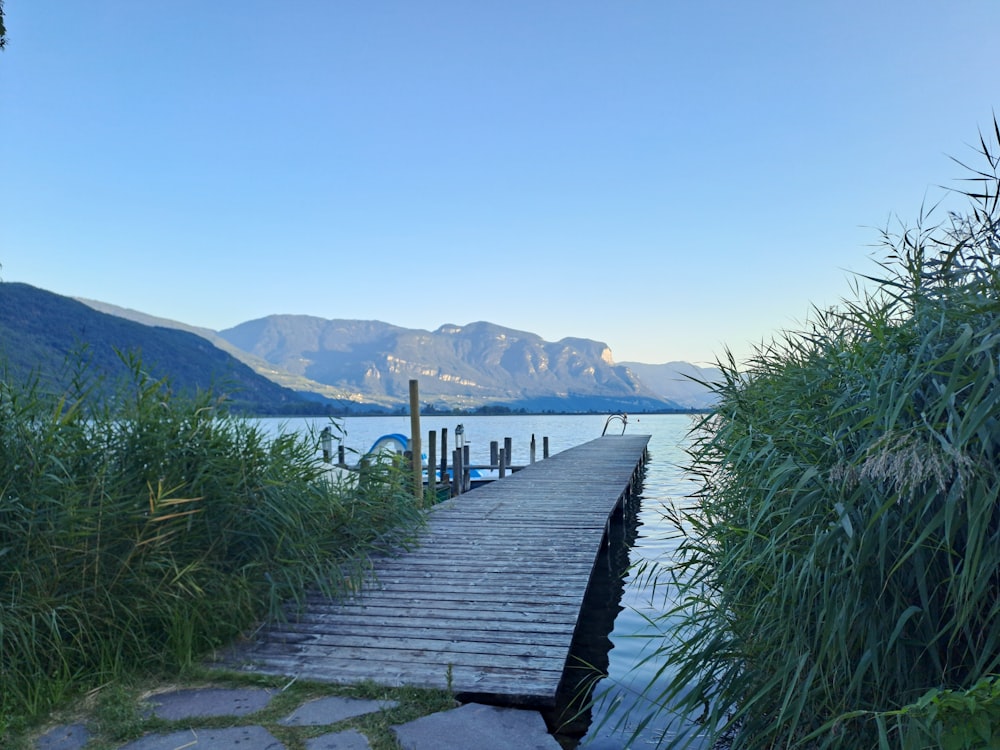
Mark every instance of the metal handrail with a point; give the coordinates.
(623, 417)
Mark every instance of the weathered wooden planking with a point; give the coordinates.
(487, 604)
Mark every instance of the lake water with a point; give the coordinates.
(618, 603)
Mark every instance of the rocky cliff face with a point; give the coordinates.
(368, 364)
(457, 366)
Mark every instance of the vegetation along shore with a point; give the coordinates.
(140, 531)
(839, 565)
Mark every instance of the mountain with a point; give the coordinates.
(367, 365)
(682, 382)
(310, 389)
(458, 367)
(46, 335)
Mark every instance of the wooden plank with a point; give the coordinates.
(488, 602)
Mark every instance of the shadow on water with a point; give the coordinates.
(588, 660)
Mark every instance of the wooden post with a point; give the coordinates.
(494, 454)
(531, 450)
(341, 458)
(507, 443)
(444, 453)
(545, 446)
(466, 470)
(417, 463)
(432, 465)
(457, 472)
(503, 464)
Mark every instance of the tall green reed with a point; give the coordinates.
(841, 558)
(144, 529)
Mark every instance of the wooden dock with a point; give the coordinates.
(487, 605)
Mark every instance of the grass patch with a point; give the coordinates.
(116, 713)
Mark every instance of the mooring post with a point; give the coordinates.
(457, 472)
(432, 464)
(507, 443)
(494, 454)
(503, 464)
(531, 450)
(545, 446)
(417, 462)
(466, 468)
(444, 454)
(326, 443)
(341, 456)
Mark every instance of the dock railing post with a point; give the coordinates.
(444, 454)
(432, 465)
(417, 463)
(466, 468)
(457, 472)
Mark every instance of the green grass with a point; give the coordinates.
(139, 532)
(114, 714)
(838, 578)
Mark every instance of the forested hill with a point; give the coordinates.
(47, 336)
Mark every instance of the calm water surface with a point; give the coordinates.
(618, 706)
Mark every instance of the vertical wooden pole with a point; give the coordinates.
(531, 450)
(432, 465)
(444, 453)
(466, 470)
(417, 463)
(545, 446)
(503, 464)
(508, 449)
(457, 472)
(494, 454)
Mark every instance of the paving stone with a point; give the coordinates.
(477, 726)
(64, 737)
(346, 740)
(333, 709)
(231, 738)
(202, 702)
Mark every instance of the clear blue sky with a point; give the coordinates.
(670, 177)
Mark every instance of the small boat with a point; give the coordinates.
(397, 443)
(393, 442)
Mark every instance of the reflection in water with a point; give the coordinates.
(588, 659)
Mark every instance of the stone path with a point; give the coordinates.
(475, 726)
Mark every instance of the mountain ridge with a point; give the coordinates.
(46, 337)
(459, 367)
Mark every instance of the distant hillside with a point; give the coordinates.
(463, 367)
(682, 382)
(368, 364)
(309, 389)
(43, 334)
